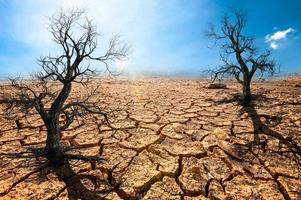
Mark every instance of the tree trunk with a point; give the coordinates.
(246, 94)
(53, 149)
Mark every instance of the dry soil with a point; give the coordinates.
(175, 140)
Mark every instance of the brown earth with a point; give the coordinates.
(177, 140)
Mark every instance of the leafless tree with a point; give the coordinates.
(241, 59)
(77, 38)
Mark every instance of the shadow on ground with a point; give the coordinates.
(78, 183)
(81, 186)
(262, 123)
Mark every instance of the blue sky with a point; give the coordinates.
(166, 37)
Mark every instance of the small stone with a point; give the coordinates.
(216, 86)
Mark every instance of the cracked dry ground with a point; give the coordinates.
(177, 140)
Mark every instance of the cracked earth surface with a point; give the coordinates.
(177, 140)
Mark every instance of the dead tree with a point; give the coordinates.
(241, 59)
(77, 37)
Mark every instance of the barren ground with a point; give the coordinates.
(176, 140)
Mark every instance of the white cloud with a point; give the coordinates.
(273, 45)
(275, 37)
(278, 35)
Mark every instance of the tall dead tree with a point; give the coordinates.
(77, 37)
(241, 59)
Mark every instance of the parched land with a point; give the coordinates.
(175, 139)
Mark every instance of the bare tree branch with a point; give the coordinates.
(242, 59)
(76, 35)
